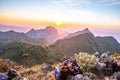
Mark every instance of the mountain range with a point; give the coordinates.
(42, 36)
(5, 28)
(10, 36)
(44, 45)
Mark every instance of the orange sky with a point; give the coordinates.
(103, 14)
(38, 23)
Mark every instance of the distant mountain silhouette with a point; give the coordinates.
(85, 41)
(15, 28)
(10, 36)
(49, 33)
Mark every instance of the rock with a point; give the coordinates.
(86, 78)
(99, 67)
(106, 78)
(3, 76)
(46, 67)
(118, 76)
(96, 54)
(78, 77)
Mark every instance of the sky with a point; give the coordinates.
(98, 15)
(84, 12)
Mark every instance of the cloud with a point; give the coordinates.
(71, 2)
(111, 2)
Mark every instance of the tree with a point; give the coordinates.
(26, 58)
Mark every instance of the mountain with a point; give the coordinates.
(37, 54)
(5, 28)
(62, 33)
(10, 36)
(108, 44)
(49, 33)
(85, 41)
(86, 30)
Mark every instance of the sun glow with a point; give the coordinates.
(58, 23)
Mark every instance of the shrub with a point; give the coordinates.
(85, 61)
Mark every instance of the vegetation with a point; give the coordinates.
(85, 61)
(5, 65)
(26, 57)
(116, 56)
(108, 44)
(19, 51)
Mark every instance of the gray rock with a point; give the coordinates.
(78, 77)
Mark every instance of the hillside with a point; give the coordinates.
(108, 44)
(38, 41)
(37, 54)
(85, 41)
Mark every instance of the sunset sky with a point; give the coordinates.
(97, 15)
(84, 12)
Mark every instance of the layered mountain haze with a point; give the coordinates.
(10, 36)
(46, 42)
(50, 33)
(5, 28)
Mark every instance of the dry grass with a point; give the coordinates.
(36, 73)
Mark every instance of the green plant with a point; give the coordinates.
(85, 61)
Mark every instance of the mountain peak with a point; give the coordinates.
(86, 30)
(49, 33)
(11, 31)
(32, 29)
(50, 28)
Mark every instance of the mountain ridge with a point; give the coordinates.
(80, 41)
(86, 42)
(86, 30)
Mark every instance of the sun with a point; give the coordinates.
(58, 23)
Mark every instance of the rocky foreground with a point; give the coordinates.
(46, 72)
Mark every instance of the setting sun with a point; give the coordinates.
(58, 23)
